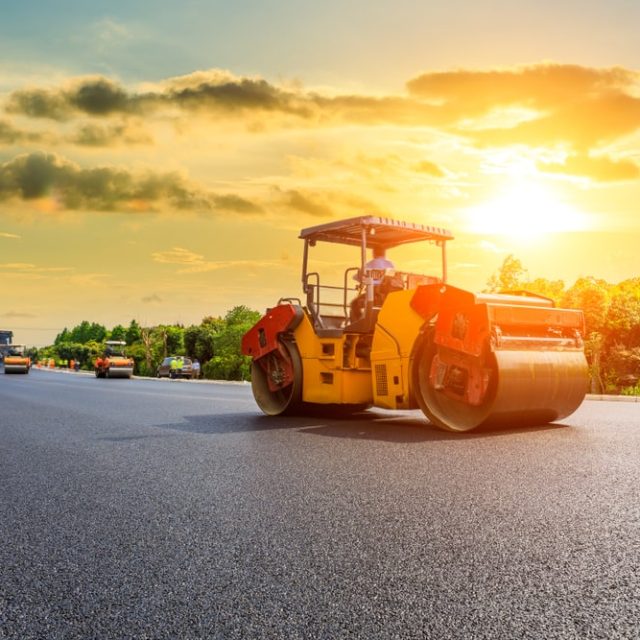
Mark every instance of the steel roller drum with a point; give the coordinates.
(120, 372)
(527, 387)
(16, 368)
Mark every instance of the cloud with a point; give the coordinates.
(11, 236)
(108, 32)
(575, 108)
(582, 125)
(42, 175)
(88, 134)
(31, 271)
(10, 134)
(32, 268)
(92, 96)
(547, 104)
(177, 255)
(303, 202)
(219, 93)
(150, 299)
(599, 168)
(213, 91)
(568, 104)
(236, 204)
(96, 135)
(321, 203)
(541, 86)
(429, 168)
(17, 314)
(196, 262)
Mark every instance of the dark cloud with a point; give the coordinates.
(601, 168)
(233, 95)
(39, 103)
(100, 97)
(150, 299)
(9, 134)
(38, 175)
(217, 93)
(322, 204)
(96, 135)
(234, 203)
(91, 135)
(95, 96)
(302, 202)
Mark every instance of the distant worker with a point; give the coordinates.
(175, 365)
(195, 367)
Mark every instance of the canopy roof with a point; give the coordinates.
(380, 232)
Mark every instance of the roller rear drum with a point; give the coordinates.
(522, 387)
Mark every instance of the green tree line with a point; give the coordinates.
(612, 321)
(215, 342)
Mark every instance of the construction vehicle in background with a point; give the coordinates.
(412, 341)
(6, 338)
(16, 359)
(114, 363)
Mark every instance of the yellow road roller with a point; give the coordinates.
(377, 336)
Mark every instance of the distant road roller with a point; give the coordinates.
(114, 363)
(16, 359)
(402, 340)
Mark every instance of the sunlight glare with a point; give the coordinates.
(525, 210)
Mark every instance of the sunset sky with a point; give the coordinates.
(157, 160)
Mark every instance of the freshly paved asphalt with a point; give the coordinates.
(148, 509)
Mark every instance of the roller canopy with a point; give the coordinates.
(380, 232)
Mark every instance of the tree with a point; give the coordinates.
(227, 362)
(511, 276)
(191, 339)
(146, 336)
(553, 289)
(117, 333)
(623, 315)
(86, 331)
(133, 333)
(592, 296)
(63, 336)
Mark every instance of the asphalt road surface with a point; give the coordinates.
(168, 509)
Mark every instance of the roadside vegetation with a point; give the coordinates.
(612, 336)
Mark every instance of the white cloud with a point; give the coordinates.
(177, 255)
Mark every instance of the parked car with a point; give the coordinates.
(184, 371)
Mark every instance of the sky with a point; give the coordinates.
(158, 160)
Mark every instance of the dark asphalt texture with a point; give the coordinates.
(168, 509)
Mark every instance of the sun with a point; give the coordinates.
(525, 210)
